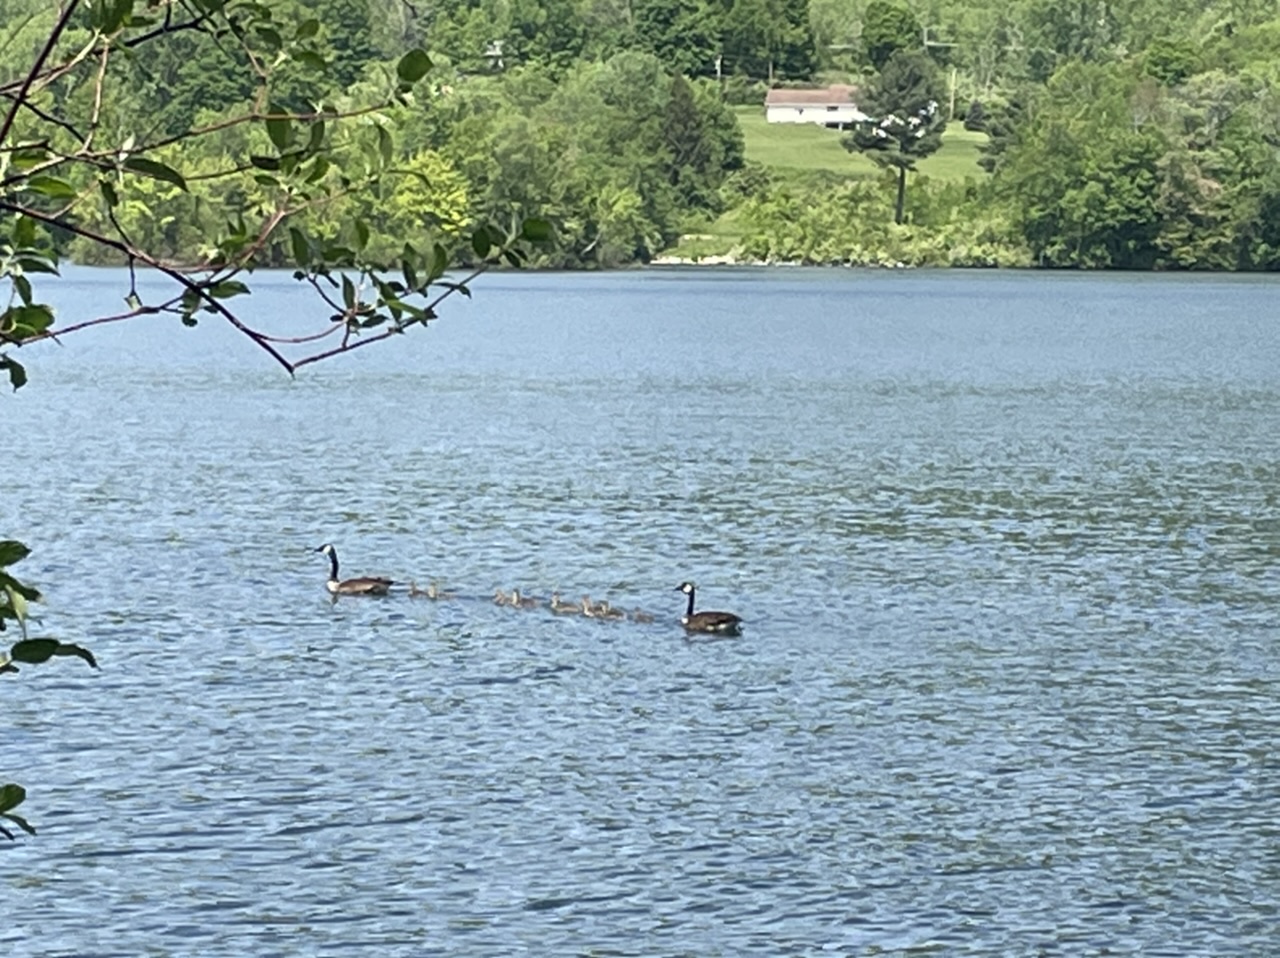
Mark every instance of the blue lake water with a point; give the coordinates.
(1006, 546)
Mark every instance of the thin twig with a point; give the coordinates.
(36, 67)
(123, 248)
(76, 327)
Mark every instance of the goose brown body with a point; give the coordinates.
(712, 623)
(361, 585)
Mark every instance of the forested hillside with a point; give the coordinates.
(1131, 133)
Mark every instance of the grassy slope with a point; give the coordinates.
(805, 146)
(800, 149)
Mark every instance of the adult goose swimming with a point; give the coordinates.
(364, 585)
(712, 623)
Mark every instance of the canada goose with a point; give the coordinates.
(563, 608)
(523, 601)
(365, 585)
(718, 623)
(640, 615)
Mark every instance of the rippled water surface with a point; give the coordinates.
(1006, 546)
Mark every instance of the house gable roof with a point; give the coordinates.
(837, 95)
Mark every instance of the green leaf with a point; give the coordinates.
(480, 243)
(270, 38)
(535, 230)
(68, 649)
(11, 584)
(269, 163)
(362, 234)
(319, 167)
(53, 186)
(17, 372)
(155, 170)
(315, 135)
(11, 796)
(439, 262)
(301, 248)
(280, 129)
(23, 286)
(18, 820)
(348, 292)
(21, 322)
(385, 146)
(307, 29)
(109, 193)
(36, 263)
(26, 158)
(413, 66)
(33, 651)
(311, 60)
(228, 288)
(24, 232)
(12, 551)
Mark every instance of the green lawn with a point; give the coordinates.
(806, 146)
(806, 154)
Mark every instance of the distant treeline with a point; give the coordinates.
(1141, 134)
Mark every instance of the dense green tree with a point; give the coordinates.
(549, 32)
(888, 27)
(1219, 189)
(1084, 177)
(683, 34)
(1170, 60)
(704, 144)
(1073, 29)
(768, 39)
(905, 118)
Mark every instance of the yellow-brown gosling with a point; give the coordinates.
(559, 607)
(362, 585)
(432, 592)
(523, 601)
(606, 611)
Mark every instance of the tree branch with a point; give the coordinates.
(36, 67)
(200, 289)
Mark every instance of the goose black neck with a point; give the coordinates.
(333, 564)
(690, 609)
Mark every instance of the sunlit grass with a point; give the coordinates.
(807, 146)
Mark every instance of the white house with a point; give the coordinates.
(832, 106)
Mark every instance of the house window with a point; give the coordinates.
(832, 109)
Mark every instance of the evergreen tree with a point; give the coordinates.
(906, 119)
